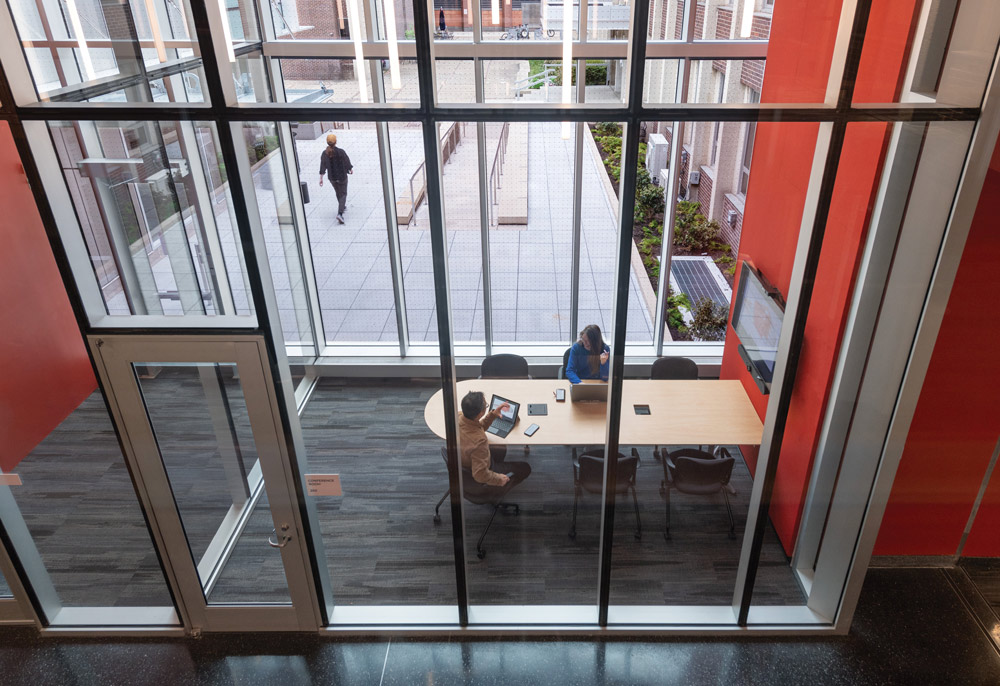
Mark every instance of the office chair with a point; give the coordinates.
(697, 472)
(562, 369)
(588, 475)
(504, 366)
(479, 494)
(672, 368)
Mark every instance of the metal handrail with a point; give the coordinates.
(496, 172)
(452, 137)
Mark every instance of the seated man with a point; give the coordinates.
(478, 456)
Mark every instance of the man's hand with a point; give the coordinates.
(504, 479)
(604, 357)
(321, 181)
(503, 408)
(350, 171)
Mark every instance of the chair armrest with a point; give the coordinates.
(668, 467)
(635, 454)
(722, 452)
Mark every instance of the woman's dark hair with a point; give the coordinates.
(592, 334)
(472, 404)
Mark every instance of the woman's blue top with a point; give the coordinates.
(578, 366)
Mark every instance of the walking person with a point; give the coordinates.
(335, 164)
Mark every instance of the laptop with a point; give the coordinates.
(588, 392)
(503, 424)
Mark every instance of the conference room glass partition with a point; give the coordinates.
(641, 188)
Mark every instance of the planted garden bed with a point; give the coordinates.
(694, 234)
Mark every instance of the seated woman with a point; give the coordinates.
(588, 358)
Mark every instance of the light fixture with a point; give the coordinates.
(747, 20)
(154, 27)
(567, 61)
(359, 55)
(495, 8)
(389, 12)
(227, 33)
(74, 19)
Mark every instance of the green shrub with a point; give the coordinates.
(675, 301)
(608, 128)
(691, 229)
(709, 320)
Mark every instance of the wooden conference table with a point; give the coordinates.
(703, 412)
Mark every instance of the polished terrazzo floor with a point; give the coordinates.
(911, 627)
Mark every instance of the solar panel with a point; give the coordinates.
(694, 277)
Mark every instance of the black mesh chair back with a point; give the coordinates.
(591, 474)
(562, 369)
(696, 472)
(504, 366)
(588, 475)
(699, 473)
(674, 368)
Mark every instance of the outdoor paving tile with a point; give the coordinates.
(419, 280)
(359, 249)
(504, 320)
(542, 263)
(417, 322)
(503, 299)
(420, 263)
(337, 299)
(332, 320)
(501, 279)
(420, 298)
(535, 322)
(589, 316)
(355, 264)
(376, 280)
(536, 300)
(343, 279)
(464, 299)
(536, 281)
(375, 299)
(465, 280)
(362, 321)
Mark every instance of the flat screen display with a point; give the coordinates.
(757, 321)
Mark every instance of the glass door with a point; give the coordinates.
(201, 428)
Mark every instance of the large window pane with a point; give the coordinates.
(153, 203)
(77, 43)
(270, 162)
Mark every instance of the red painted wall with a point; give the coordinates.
(957, 420)
(797, 71)
(46, 371)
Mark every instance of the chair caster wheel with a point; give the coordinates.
(437, 519)
(480, 554)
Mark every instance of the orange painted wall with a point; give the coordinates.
(957, 420)
(46, 371)
(797, 70)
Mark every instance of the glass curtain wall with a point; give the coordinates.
(639, 222)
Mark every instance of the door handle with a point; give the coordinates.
(285, 538)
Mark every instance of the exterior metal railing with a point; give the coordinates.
(496, 174)
(418, 179)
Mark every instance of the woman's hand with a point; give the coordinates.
(604, 357)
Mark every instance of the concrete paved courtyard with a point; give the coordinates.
(530, 266)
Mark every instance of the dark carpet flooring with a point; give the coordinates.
(382, 545)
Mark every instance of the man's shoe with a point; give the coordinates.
(340, 219)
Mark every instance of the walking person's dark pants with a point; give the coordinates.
(340, 188)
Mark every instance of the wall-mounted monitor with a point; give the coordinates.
(757, 317)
